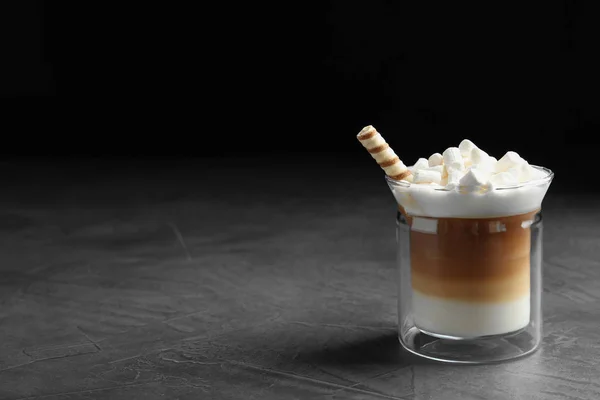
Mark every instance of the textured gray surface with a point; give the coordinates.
(150, 284)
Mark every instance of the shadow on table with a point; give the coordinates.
(383, 349)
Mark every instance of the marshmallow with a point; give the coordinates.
(437, 168)
(452, 179)
(474, 180)
(486, 167)
(453, 158)
(487, 164)
(436, 159)
(478, 156)
(420, 164)
(465, 147)
(509, 160)
(427, 176)
(523, 172)
(474, 177)
(503, 179)
(444, 172)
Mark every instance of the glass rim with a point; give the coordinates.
(536, 182)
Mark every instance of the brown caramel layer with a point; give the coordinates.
(473, 259)
(483, 290)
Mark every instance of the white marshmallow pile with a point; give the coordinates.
(466, 177)
(469, 169)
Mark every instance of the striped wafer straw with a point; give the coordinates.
(383, 154)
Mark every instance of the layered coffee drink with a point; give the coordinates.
(470, 276)
(470, 241)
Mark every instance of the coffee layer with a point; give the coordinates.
(471, 259)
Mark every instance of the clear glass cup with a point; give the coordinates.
(470, 287)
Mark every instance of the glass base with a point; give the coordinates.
(481, 350)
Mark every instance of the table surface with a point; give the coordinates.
(181, 282)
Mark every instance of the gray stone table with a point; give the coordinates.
(234, 280)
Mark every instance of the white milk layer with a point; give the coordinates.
(436, 201)
(468, 319)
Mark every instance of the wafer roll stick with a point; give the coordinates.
(383, 154)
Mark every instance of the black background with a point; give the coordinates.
(297, 80)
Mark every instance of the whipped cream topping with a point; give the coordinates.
(465, 181)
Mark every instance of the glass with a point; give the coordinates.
(470, 288)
